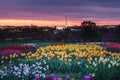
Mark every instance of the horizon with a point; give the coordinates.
(14, 22)
(52, 13)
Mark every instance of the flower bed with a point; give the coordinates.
(83, 59)
(71, 59)
(24, 71)
(24, 48)
(115, 47)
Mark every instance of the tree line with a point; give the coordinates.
(88, 32)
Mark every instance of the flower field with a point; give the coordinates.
(44, 63)
(113, 47)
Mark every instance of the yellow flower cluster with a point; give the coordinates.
(10, 56)
(8, 59)
(71, 47)
(67, 52)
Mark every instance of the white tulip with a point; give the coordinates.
(44, 69)
(109, 66)
(101, 59)
(43, 75)
(21, 64)
(33, 65)
(96, 59)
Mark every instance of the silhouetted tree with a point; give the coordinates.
(88, 24)
(89, 30)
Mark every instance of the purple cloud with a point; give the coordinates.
(57, 9)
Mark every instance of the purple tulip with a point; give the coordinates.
(90, 75)
(37, 77)
(54, 79)
(48, 77)
(87, 78)
(53, 76)
(57, 79)
(67, 77)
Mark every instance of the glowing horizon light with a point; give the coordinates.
(13, 22)
(29, 22)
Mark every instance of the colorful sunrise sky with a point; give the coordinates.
(52, 12)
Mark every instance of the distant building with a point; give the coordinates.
(60, 27)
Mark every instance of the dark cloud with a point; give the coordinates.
(108, 3)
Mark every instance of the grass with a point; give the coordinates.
(38, 44)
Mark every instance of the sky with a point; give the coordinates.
(53, 12)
